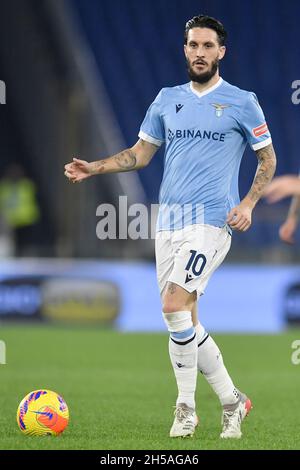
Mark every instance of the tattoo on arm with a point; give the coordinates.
(132, 158)
(98, 167)
(264, 173)
(126, 160)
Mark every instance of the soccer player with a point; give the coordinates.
(281, 187)
(205, 126)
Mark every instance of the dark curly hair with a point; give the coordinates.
(203, 21)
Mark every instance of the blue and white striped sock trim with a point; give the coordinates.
(183, 337)
(202, 335)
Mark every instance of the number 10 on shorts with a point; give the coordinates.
(196, 263)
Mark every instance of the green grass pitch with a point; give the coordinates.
(120, 389)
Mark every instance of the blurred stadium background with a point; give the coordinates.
(79, 78)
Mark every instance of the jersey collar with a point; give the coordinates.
(208, 90)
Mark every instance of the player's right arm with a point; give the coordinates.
(130, 159)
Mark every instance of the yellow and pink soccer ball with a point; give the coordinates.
(42, 413)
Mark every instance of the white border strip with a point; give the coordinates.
(209, 90)
(150, 139)
(261, 145)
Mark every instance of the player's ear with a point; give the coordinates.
(222, 51)
(184, 50)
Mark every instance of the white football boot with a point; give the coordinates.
(185, 421)
(232, 417)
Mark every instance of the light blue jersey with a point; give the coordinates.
(205, 135)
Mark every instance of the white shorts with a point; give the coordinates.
(188, 257)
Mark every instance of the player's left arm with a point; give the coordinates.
(240, 217)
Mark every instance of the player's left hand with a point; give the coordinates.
(239, 218)
(281, 187)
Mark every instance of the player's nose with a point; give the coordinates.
(200, 54)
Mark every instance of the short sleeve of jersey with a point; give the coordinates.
(254, 124)
(152, 129)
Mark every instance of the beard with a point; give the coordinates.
(203, 77)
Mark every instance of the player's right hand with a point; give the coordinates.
(287, 230)
(240, 216)
(78, 170)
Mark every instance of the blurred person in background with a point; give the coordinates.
(19, 208)
(280, 188)
(205, 125)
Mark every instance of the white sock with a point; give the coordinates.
(183, 355)
(210, 363)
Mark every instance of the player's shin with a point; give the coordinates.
(183, 354)
(211, 365)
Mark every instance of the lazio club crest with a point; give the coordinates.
(219, 108)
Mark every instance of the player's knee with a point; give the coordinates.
(170, 306)
(178, 321)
